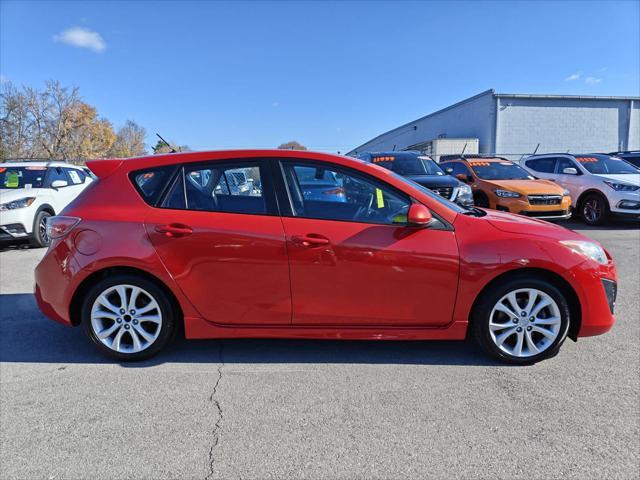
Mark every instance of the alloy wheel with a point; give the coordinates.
(525, 322)
(126, 318)
(42, 229)
(592, 210)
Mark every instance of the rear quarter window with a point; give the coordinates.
(151, 183)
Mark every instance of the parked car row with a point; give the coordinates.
(550, 186)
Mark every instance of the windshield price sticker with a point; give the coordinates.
(479, 164)
(587, 159)
(383, 159)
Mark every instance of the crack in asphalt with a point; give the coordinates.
(218, 423)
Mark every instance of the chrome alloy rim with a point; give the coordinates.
(43, 230)
(525, 322)
(126, 318)
(592, 210)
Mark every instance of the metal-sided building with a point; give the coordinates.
(513, 125)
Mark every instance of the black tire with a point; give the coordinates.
(594, 209)
(38, 234)
(480, 317)
(169, 315)
(481, 200)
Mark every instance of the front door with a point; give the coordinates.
(355, 262)
(218, 234)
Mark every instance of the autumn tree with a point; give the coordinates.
(54, 123)
(129, 141)
(292, 145)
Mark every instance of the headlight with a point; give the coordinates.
(464, 190)
(622, 187)
(587, 249)
(566, 193)
(507, 194)
(20, 203)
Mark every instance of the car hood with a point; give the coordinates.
(528, 187)
(9, 195)
(511, 223)
(630, 178)
(433, 181)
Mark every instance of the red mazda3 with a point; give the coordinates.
(292, 244)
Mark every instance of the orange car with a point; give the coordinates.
(502, 185)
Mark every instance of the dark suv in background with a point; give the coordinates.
(632, 156)
(424, 171)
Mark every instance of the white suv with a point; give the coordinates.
(600, 185)
(31, 192)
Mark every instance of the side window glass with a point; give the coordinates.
(75, 176)
(543, 165)
(57, 173)
(565, 163)
(218, 189)
(318, 192)
(151, 183)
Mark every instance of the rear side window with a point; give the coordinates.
(219, 188)
(544, 165)
(76, 176)
(151, 183)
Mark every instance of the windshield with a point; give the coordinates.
(416, 166)
(22, 177)
(499, 171)
(604, 164)
(453, 206)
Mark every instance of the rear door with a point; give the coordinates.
(218, 233)
(353, 259)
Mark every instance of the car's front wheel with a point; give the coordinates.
(128, 317)
(521, 321)
(39, 237)
(594, 209)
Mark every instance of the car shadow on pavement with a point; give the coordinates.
(28, 336)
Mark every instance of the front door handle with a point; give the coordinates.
(310, 240)
(174, 230)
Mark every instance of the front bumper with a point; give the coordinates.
(16, 224)
(624, 203)
(596, 287)
(522, 206)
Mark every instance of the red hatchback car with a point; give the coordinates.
(257, 243)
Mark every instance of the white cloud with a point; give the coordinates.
(82, 38)
(592, 80)
(573, 77)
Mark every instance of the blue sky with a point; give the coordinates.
(330, 75)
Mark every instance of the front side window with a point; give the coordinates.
(218, 188)
(565, 163)
(338, 194)
(57, 173)
(458, 168)
(22, 177)
(542, 165)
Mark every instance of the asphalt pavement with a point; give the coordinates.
(245, 409)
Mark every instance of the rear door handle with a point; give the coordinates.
(174, 230)
(310, 240)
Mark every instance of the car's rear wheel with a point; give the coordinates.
(128, 317)
(522, 320)
(594, 209)
(39, 237)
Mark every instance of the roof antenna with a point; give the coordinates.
(173, 150)
(463, 150)
(394, 148)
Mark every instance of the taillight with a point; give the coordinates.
(59, 226)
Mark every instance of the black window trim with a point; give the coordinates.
(261, 162)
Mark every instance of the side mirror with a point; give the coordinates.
(418, 215)
(59, 183)
(570, 171)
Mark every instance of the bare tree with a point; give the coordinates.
(129, 141)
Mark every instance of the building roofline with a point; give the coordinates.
(461, 102)
(495, 95)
